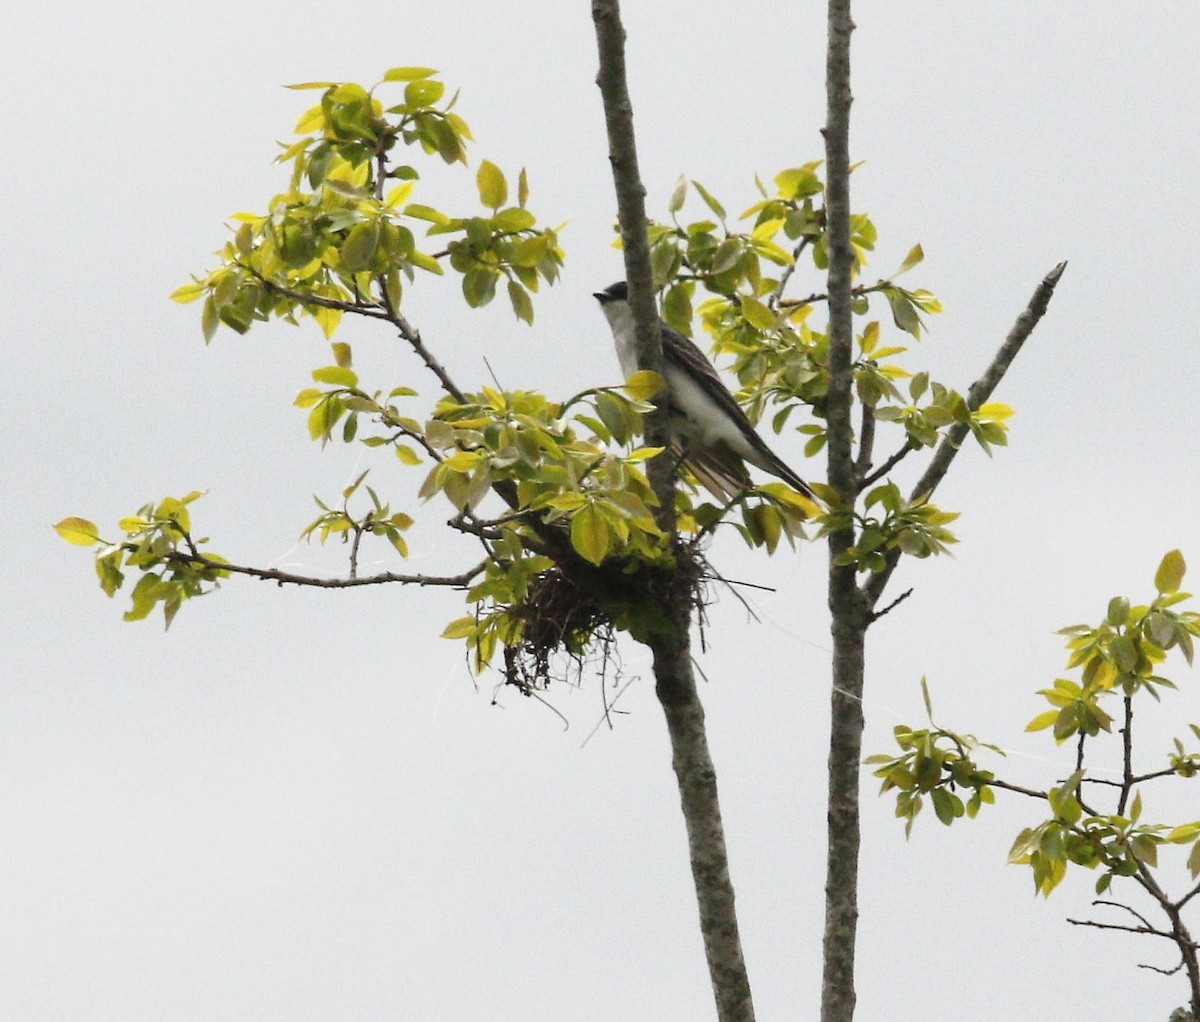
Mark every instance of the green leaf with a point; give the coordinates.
(521, 302)
(757, 314)
(493, 189)
(423, 93)
(358, 250)
(1170, 573)
(715, 206)
(78, 531)
(209, 319)
(675, 203)
(479, 286)
(1124, 652)
(342, 354)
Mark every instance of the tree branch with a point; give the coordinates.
(982, 388)
(888, 465)
(460, 581)
(980, 391)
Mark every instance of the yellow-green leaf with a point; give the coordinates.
(459, 628)
(338, 376)
(406, 74)
(493, 189)
(994, 411)
(1170, 573)
(407, 455)
(327, 319)
(590, 535)
(400, 193)
(187, 293)
(79, 531)
(915, 255)
(644, 454)
(1042, 721)
(644, 384)
(757, 314)
(307, 397)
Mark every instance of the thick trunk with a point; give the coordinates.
(697, 778)
(845, 755)
(849, 611)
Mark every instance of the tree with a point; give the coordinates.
(1118, 659)
(576, 511)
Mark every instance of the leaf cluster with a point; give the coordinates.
(1118, 659)
(343, 236)
(158, 543)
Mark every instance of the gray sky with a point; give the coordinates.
(297, 805)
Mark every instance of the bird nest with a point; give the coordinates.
(567, 618)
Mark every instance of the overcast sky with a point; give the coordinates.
(298, 805)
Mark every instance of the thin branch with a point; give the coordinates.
(821, 296)
(354, 545)
(357, 308)
(887, 466)
(786, 275)
(460, 581)
(1136, 778)
(1117, 926)
(866, 444)
(876, 615)
(1127, 749)
(1017, 789)
(1188, 897)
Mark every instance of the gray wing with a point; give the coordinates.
(685, 354)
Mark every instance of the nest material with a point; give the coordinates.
(566, 615)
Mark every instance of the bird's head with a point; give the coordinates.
(618, 292)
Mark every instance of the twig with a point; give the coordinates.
(876, 615)
(866, 444)
(887, 466)
(460, 581)
(786, 275)
(1127, 748)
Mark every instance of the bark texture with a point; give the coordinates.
(847, 606)
(675, 682)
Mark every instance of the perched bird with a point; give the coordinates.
(708, 426)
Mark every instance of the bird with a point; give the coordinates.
(708, 426)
